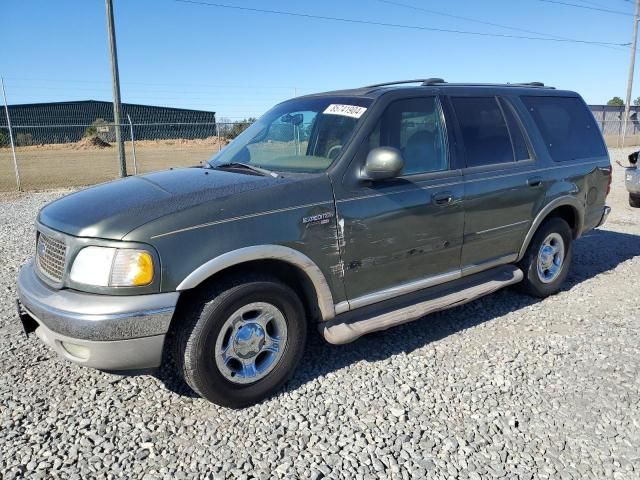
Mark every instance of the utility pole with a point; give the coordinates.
(632, 62)
(116, 87)
(13, 145)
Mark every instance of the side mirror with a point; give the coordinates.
(382, 163)
(633, 158)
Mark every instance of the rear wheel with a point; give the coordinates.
(241, 341)
(634, 201)
(546, 262)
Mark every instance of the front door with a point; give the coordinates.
(405, 233)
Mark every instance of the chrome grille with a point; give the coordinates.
(50, 256)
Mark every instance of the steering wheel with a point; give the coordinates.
(334, 152)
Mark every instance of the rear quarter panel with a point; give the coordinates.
(584, 179)
(596, 184)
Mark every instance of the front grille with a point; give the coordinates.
(50, 256)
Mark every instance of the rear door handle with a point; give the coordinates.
(442, 198)
(534, 181)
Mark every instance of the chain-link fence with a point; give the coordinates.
(613, 132)
(57, 156)
(610, 119)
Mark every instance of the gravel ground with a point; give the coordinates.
(504, 387)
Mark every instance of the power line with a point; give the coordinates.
(606, 10)
(593, 3)
(146, 90)
(210, 85)
(468, 19)
(393, 25)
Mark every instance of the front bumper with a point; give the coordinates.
(108, 332)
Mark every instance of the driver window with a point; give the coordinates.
(414, 127)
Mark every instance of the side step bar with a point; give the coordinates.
(352, 325)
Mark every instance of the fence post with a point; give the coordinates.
(218, 135)
(619, 130)
(13, 146)
(133, 146)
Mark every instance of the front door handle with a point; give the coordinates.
(534, 181)
(442, 198)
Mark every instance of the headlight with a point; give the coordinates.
(112, 267)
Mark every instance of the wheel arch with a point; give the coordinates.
(284, 262)
(567, 208)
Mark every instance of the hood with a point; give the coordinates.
(111, 210)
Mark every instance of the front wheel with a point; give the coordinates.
(546, 262)
(241, 341)
(634, 201)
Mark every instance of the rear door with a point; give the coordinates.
(503, 188)
(405, 233)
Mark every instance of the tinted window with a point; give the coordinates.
(484, 131)
(567, 127)
(520, 149)
(414, 126)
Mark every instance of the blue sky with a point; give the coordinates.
(239, 63)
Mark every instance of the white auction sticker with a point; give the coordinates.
(352, 111)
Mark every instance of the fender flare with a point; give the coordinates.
(544, 213)
(264, 252)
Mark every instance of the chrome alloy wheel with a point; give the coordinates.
(550, 258)
(251, 342)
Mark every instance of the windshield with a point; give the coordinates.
(303, 135)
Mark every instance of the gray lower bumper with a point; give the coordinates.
(100, 331)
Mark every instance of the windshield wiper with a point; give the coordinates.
(253, 168)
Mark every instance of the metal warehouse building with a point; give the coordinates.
(62, 122)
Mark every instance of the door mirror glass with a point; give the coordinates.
(383, 163)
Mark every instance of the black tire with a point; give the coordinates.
(634, 201)
(196, 335)
(532, 283)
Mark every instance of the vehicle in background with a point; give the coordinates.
(347, 212)
(632, 180)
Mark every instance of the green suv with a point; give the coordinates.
(347, 212)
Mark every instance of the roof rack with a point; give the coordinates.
(438, 81)
(530, 84)
(423, 81)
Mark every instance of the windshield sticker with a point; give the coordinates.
(352, 111)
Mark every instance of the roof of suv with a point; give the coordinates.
(373, 91)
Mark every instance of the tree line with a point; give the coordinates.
(618, 102)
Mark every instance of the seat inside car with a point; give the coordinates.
(422, 153)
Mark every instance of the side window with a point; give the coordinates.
(567, 127)
(414, 126)
(520, 148)
(484, 131)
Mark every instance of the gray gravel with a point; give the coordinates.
(504, 387)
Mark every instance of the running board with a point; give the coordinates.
(354, 324)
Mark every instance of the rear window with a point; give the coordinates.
(567, 127)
